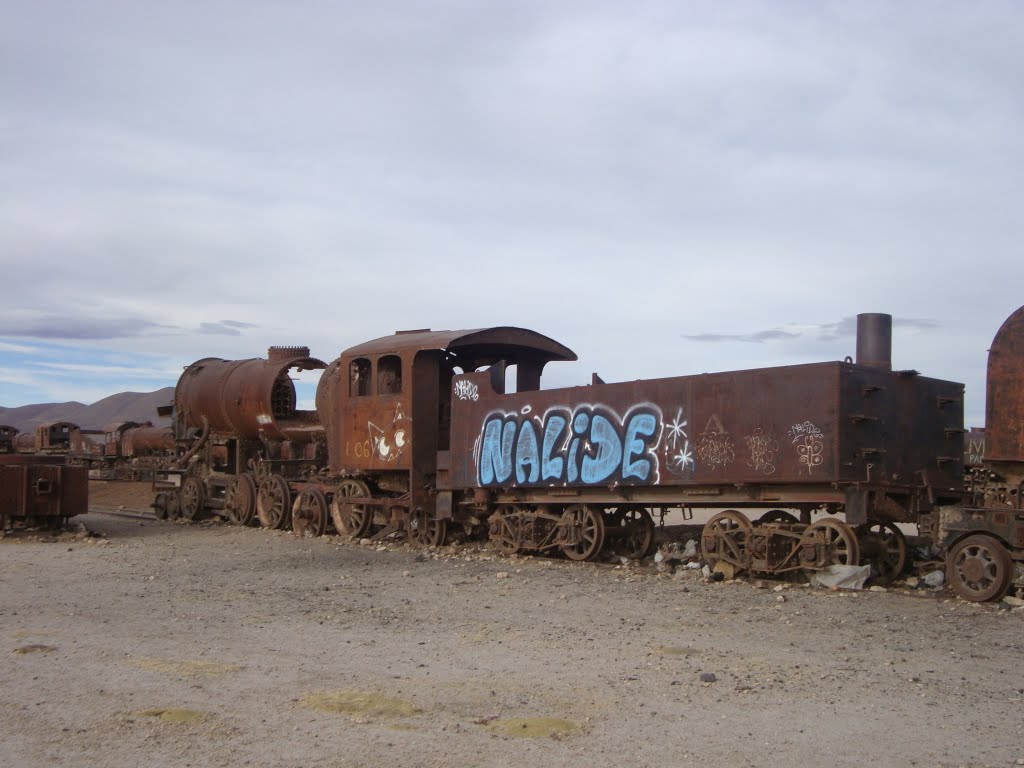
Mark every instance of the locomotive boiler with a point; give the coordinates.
(241, 437)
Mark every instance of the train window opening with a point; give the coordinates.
(359, 377)
(282, 397)
(389, 375)
(511, 379)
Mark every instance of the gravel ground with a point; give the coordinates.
(168, 644)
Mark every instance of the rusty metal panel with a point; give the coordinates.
(768, 426)
(1004, 402)
(40, 488)
(819, 426)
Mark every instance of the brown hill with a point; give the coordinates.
(124, 406)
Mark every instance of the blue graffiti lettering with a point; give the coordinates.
(527, 455)
(588, 445)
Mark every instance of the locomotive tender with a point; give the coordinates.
(421, 436)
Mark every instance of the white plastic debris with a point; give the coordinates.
(934, 579)
(841, 576)
(691, 549)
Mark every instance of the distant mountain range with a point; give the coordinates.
(124, 406)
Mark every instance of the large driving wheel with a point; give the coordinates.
(979, 568)
(352, 520)
(634, 532)
(240, 500)
(885, 547)
(425, 529)
(589, 532)
(724, 538)
(309, 513)
(193, 498)
(273, 503)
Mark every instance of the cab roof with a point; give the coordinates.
(501, 342)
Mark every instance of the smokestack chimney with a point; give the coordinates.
(874, 340)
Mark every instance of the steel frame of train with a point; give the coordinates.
(415, 434)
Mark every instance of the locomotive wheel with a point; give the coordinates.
(591, 532)
(273, 503)
(777, 516)
(160, 506)
(885, 547)
(173, 501)
(193, 498)
(841, 546)
(240, 500)
(309, 513)
(725, 537)
(979, 568)
(635, 532)
(425, 529)
(356, 521)
(504, 530)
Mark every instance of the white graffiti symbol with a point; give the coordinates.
(809, 445)
(761, 449)
(467, 390)
(388, 444)
(677, 445)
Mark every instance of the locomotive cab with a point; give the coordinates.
(7, 438)
(387, 404)
(112, 434)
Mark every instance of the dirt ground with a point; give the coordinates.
(169, 644)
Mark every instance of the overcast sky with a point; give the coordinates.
(665, 187)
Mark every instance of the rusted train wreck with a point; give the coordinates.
(423, 432)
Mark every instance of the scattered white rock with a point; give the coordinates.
(501, 575)
(935, 579)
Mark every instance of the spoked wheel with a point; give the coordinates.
(777, 516)
(885, 547)
(504, 530)
(589, 529)
(273, 503)
(828, 542)
(240, 500)
(351, 520)
(979, 568)
(193, 498)
(309, 513)
(724, 538)
(425, 529)
(633, 530)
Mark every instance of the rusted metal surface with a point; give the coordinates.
(806, 434)
(386, 410)
(1004, 402)
(41, 490)
(147, 441)
(247, 398)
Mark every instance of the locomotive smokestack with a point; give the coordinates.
(874, 340)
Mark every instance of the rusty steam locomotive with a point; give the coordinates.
(419, 434)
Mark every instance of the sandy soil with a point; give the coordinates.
(168, 644)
